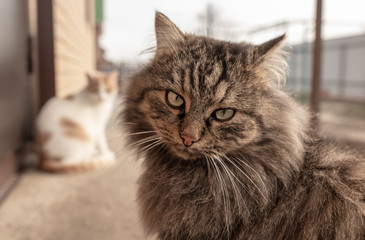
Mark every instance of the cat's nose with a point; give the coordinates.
(188, 141)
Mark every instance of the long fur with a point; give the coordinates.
(261, 175)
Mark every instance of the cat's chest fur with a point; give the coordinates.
(191, 203)
(181, 197)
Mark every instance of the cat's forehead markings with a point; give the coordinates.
(176, 76)
(185, 79)
(187, 100)
(222, 92)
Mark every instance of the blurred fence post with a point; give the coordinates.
(316, 72)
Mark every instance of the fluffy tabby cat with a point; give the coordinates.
(71, 130)
(228, 154)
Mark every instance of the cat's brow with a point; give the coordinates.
(191, 71)
(222, 76)
(227, 93)
(182, 78)
(222, 92)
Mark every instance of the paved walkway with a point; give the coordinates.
(345, 122)
(98, 205)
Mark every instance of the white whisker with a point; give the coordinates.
(138, 133)
(151, 146)
(231, 175)
(163, 145)
(152, 143)
(247, 165)
(239, 169)
(130, 123)
(224, 190)
(143, 141)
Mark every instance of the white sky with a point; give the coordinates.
(129, 25)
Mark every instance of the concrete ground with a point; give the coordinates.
(84, 206)
(345, 122)
(100, 205)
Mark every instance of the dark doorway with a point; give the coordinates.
(14, 87)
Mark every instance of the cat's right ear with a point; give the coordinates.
(167, 34)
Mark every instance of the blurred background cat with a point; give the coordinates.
(71, 130)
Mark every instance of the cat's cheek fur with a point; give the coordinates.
(155, 107)
(239, 131)
(161, 117)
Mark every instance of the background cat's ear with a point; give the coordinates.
(167, 34)
(91, 77)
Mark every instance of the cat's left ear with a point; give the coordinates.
(167, 34)
(266, 48)
(90, 77)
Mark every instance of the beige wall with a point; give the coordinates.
(74, 44)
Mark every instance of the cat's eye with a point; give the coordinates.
(174, 100)
(224, 114)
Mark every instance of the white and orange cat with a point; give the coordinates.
(71, 130)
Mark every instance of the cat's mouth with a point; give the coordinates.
(180, 150)
(186, 153)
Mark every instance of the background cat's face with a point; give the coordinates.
(201, 95)
(102, 86)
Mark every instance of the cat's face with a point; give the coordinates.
(102, 86)
(200, 95)
(200, 106)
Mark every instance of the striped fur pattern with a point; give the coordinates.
(260, 174)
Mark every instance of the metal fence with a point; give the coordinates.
(342, 73)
